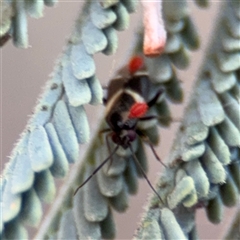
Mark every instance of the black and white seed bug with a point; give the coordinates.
(127, 103)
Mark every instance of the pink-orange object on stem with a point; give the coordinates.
(154, 31)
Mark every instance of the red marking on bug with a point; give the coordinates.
(135, 64)
(138, 110)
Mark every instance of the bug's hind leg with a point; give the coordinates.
(104, 131)
(147, 140)
(109, 132)
(155, 154)
(143, 173)
(109, 150)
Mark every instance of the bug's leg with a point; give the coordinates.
(143, 173)
(155, 98)
(147, 140)
(107, 142)
(104, 131)
(109, 150)
(104, 100)
(97, 169)
(148, 118)
(155, 153)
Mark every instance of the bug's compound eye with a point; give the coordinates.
(115, 138)
(131, 135)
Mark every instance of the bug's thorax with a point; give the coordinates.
(124, 109)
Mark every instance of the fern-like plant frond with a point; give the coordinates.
(204, 163)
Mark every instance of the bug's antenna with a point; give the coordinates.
(97, 169)
(143, 173)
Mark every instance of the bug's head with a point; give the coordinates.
(124, 138)
(124, 131)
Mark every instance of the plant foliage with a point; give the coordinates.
(203, 164)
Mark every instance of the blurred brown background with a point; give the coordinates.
(24, 73)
